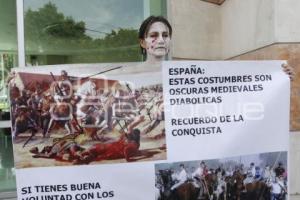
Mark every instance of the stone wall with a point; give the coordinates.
(246, 25)
(294, 165)
(291, 53)
(197, 29)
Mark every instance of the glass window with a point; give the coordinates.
(8, 59)
(8, 47)
(76, 31)
(7, 170)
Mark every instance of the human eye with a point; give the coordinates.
(165, 34)
(153, 35)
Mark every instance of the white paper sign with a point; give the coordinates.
(223, 109)
(226, 116)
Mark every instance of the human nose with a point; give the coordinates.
(160, 39)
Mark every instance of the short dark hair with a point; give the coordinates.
(134, 135)
(145, 26)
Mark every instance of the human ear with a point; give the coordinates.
(143, 43)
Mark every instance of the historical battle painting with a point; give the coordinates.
(61, 119)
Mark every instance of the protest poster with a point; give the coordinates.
(122, 132)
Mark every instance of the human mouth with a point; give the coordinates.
(158, 48)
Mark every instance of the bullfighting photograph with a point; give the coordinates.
(261, 176)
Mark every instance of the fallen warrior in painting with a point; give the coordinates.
(63, 149)
(66, 149)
